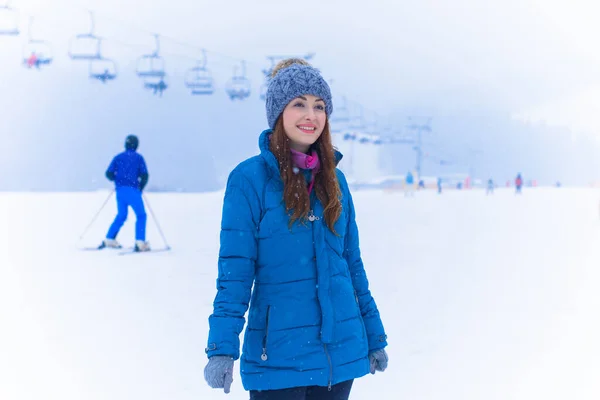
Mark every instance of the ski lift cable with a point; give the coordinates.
(147, 31)
(186, 44)
(138, 46)
(166, 37)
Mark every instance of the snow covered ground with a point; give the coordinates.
(483, 297)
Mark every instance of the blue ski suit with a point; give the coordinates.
(129, 172)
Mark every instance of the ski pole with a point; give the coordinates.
(155, 221)
(98, 213)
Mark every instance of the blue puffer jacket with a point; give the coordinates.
(312, 319)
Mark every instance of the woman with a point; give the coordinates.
(288, 228)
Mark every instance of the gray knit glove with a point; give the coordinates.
(218, 373)
(378, 360)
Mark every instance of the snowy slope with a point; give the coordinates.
(482, 297)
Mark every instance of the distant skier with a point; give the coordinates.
(490, 186)
(518, 184)
(409, 184)
(33, 61)
(129, 172)
(439, 185)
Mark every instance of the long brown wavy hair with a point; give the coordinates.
(295, 192)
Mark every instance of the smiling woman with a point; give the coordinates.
(289, 242)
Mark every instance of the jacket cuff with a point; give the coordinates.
(213, 349)
(377, 342)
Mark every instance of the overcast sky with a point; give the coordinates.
(471, 64)
(528, 57)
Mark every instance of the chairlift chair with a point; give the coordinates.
(9, 20)
(199, 79)
(239, 86)
(151, 65)
(36, 52)
(85, 46)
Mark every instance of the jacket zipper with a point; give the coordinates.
(330, 367)
(264, 356)
(362, 321)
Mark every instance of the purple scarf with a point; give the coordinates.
(305, 161)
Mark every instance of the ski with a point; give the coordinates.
(132, 251)
(98, 248)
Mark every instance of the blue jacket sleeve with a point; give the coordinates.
(111, 170)
(373, 325)
(237, 257)
(143, 169)
(143, 173)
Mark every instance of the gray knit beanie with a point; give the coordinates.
(291, 82)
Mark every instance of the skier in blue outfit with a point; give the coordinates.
(290, 252)
(409, 184)
(129, 172)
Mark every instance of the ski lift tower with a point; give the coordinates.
(420, 125)
(473, 155)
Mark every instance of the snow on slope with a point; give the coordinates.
(483, 297)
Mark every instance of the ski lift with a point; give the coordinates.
(151, 65)
(199, 79)
(364, 140)
(9, 20)
(102, 69)
(239, 86)
(36, 52)
(85, 46)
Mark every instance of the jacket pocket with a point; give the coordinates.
(265, 341)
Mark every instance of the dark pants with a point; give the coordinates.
(341, 391)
